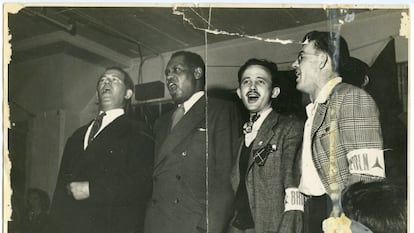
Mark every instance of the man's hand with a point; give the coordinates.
(79, 190)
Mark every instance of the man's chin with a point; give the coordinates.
(177, 97)
(299, 87)
(253, 108)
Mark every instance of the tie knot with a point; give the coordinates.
(97, 123)
(254, 117)
(100, 116)
(248, 126)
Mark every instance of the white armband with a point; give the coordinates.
(366, 162)
(294, 199)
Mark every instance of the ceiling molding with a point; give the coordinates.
(77, 41)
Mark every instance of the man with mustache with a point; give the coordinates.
(104, 180)
(265, 177)
(195, 145)
(342, 142)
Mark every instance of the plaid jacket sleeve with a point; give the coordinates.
(351, 122)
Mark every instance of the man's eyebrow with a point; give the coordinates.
(111, 76)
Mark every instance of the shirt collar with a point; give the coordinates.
(327, 89)
(114, 113)
(263, 114)
(192, 100)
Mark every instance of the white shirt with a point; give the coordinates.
(192, 100)
(249, 137)
(110, 116)
(310, 182)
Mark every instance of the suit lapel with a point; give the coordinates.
(321, 112)
(79, 152)
(320, 115)
(264, 135)
(184, 127)
(112, 130)
(164, 128)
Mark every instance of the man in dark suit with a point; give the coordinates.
(192, 191)
(265, 177)
(105, 175)
(342, 141)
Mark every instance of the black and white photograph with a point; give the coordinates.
(205, 118)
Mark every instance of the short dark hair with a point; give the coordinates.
(333, 44)
(381, 206)
(43, 197)
(269, 65)
(129, 84)
(354, 71)
(193, 60)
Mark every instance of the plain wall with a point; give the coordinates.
(50, 93)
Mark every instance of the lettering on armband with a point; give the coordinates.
(366, 162)
(294, 199)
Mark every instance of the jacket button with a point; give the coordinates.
(178, 177)
(154, 201)
(184, 153)
(176, 201)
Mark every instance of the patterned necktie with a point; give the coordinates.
(177, 115)
(95, 127)
(248, 126)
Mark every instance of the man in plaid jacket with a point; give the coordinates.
(342, 136)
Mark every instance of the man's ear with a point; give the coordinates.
(275, 92)
(238, 93)
(365, 82)
(198, 72)
(324, 60)
(128, 94)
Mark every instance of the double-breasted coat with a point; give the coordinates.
(192, 171)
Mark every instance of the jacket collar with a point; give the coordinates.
(180, 131)
(265, 133)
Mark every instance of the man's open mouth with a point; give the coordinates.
(171, 86)
(297, 73)
(106, 90)
(252, 96)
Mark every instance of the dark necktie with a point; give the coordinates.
(248, 126)
(96, 126)
(177, 115)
